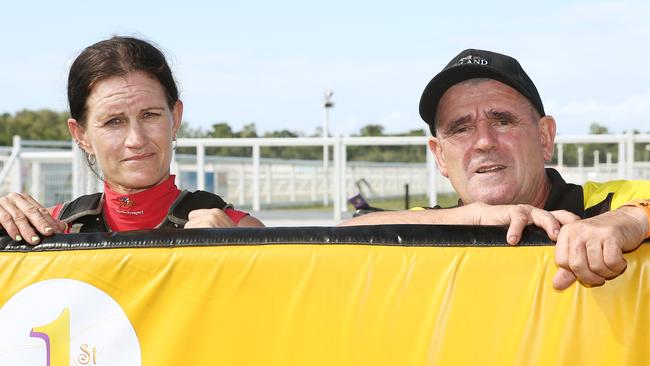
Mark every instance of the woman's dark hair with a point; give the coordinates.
(116, 56)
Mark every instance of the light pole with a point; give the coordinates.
(327, 104)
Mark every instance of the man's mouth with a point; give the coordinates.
(490, 169)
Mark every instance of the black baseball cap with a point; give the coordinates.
(471, 64)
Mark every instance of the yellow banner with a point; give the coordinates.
(313, 304)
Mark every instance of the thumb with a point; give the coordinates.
(563, 279)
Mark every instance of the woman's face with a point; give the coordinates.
(129, 128)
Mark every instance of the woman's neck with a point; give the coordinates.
(120, 189)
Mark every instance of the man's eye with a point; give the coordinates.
(148, 115)
(113, 122)
(460, 129)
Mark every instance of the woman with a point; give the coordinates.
(125, 113)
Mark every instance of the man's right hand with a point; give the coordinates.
(518, 216)
(22, 216)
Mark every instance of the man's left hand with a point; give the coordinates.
(591, 250)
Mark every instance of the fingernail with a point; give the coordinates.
(512, 239)
(34, 239)
(19, 238)
(47, 229)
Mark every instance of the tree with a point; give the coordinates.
(34, 125)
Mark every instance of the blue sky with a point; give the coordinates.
(269, 62)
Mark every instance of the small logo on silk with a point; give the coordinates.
(124, 205)
(476, 60)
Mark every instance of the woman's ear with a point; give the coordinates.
(177, 114)
(78, 133)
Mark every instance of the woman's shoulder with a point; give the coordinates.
(82, 205)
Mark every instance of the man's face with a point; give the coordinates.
(490, 144)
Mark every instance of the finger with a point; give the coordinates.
(596, 262)
(208, 218)
(580, 265)
(563, 279)
(562, 250)
(546, 221)
(20, 219)
(38, 216)
(613, 258)
(198, 213)
(7, 222)
(565, 217)
(518, 221)
(52, 223)
(192, 224)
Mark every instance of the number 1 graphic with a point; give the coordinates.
(56, 336)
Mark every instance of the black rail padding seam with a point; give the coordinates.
(386, 235)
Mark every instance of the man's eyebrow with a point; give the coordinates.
(453, 125)
(501, 115)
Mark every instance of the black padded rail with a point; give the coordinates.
(392, 235)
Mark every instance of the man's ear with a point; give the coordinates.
(177, 115)
(547, 129)
(436, 149)
(78, 133)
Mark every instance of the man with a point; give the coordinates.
(492, 138)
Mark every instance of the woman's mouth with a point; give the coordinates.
(138, 157)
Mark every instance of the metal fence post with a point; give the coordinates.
(336, 201)
(35, 190)
(200, 166)
(343, 166)
(17, 180)
(242, 183)
(267, 183)
(629, 166)
(621, 160)
(256, 177)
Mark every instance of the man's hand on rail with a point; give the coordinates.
(515, 216)
(518, 216)
(591, 250)
(21, 216)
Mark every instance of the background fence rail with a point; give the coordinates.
(54, 171)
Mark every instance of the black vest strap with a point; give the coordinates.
(84, 214)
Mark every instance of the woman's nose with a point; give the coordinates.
(136, 135)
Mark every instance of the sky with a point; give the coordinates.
(269, 62)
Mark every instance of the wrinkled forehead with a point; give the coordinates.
(119, 92)
(481, 95)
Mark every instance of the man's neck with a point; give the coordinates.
(541, 195)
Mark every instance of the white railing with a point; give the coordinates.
(22, 165)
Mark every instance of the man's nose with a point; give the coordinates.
(485, 138)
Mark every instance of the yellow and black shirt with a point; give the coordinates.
(592, 199)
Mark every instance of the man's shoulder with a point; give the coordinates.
(624, 191)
